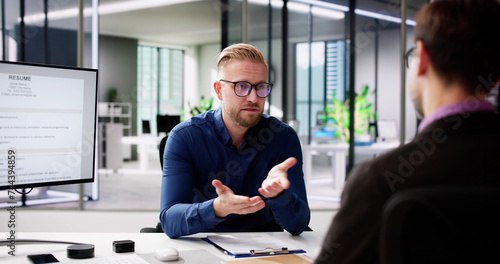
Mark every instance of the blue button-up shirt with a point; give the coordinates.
(200, 150)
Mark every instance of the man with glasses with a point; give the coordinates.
(454, 65)
(234, 169)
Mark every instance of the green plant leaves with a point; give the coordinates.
(339, 113)
(204, 106)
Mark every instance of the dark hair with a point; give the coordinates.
(463, 40)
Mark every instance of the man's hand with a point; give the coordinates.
(277, 179)
(229, 203)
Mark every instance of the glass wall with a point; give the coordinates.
(47, 32)
(160, 84)
(316, 64)
(310, 92)
(312, 75)
(295, 95)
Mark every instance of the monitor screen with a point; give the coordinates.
(387, 130)
(47, 125)
(165, 123)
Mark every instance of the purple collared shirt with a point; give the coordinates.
(468, 106)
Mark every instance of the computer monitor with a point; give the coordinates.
(47, 125)
(146, 127)
(165, 123)
(387, 130)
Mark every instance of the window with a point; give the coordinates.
(160, 84)
(327, 69)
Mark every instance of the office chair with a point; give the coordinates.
(441, 225)
(161, 148)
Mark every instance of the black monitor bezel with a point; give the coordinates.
(165, 123)
(94, 164)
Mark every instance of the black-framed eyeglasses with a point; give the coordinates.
(243, 89)
(408, 54)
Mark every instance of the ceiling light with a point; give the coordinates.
(318, 11)
(274, 3)
(120, 7)
(324, 4)
(104, 9)
(383, 17)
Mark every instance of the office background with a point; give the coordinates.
(136, 46)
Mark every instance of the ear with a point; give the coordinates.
(423, 58)
(217, 89)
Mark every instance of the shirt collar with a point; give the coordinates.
(468, 106)
(221, 130)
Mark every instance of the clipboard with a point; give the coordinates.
(251, 245)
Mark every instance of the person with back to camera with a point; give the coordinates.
(452, 67)
(234, 169)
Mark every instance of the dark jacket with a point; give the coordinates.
(455, 151)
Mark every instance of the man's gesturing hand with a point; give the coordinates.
(277, 179)
(229, 203)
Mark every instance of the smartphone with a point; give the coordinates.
(42, 258)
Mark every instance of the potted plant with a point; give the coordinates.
(204, 106)
(112, 94)
(339, 114)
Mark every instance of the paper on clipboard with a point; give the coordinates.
(252, 245)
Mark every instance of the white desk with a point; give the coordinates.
(338, 154)
(142, 143)
(145, 243)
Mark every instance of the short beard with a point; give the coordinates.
(241, 121)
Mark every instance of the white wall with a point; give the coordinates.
(199, 75)
(118, 68)
(389, 86)
(208, 72)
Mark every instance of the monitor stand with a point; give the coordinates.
(42, 195)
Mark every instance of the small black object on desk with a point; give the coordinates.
(81, 251)
(122, 246)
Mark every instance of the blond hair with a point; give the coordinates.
(240, 51)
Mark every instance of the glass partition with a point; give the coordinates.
(46, 32)
(316, 68)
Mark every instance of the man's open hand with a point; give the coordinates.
(229, 203)
(277, 179)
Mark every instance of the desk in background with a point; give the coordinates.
(338, 154)
(143, 142)
(145, 243)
